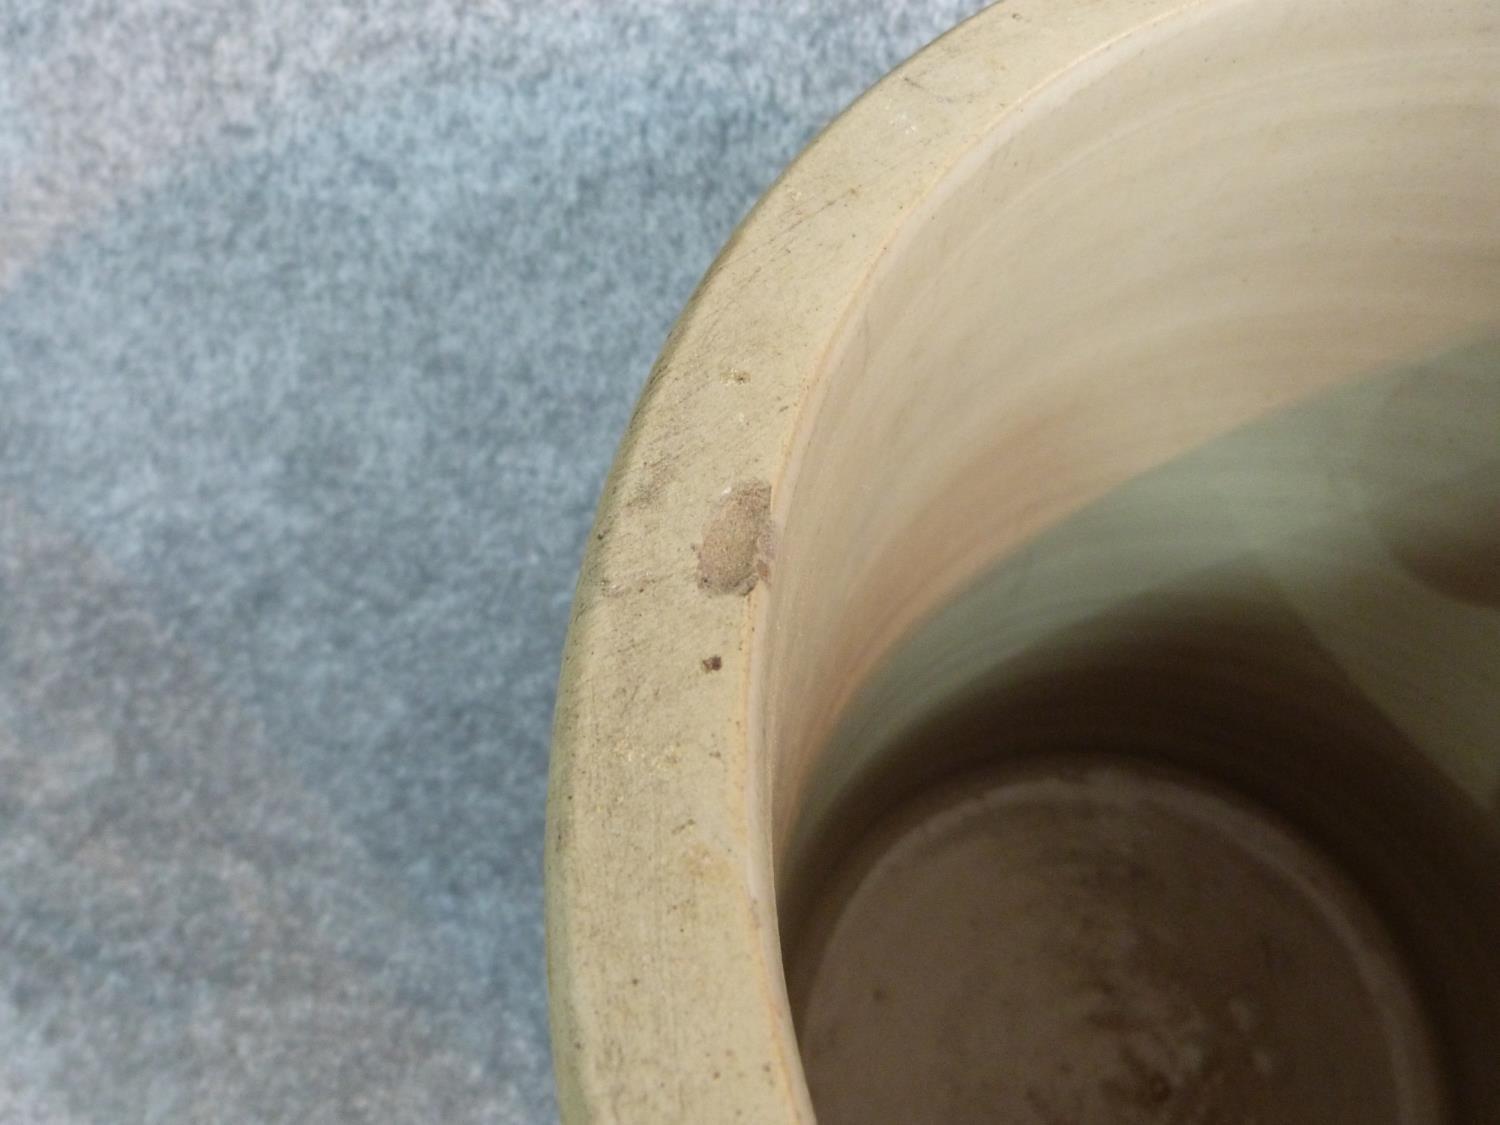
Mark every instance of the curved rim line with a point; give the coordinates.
(666, 994)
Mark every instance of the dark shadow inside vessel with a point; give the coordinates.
(1302, 615)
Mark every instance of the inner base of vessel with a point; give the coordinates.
(1097, 940)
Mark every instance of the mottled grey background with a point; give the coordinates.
(318, 325)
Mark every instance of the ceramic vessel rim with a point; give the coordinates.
(666, 995)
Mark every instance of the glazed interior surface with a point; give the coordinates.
(1168, 432)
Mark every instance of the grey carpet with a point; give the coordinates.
(318, 325)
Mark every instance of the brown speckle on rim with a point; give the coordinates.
(713, 663)
(737, 542)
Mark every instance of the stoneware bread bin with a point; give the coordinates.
(1038, 657)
